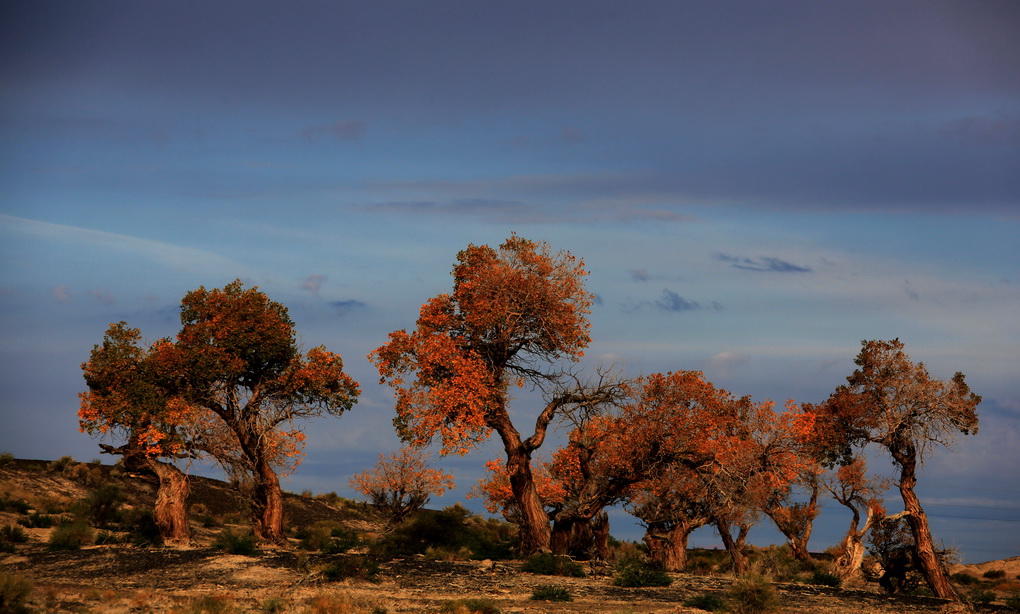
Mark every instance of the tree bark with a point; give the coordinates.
(669, 546)
(734, 546)
(267, 503)
(535, 531)
(928, 562)
(171, 509)
(847, 566)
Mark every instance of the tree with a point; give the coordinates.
(125, 398)
(515, 314)
(894, 403)
(670, 506)
(401, 483)
(236, 356)
(861, 495)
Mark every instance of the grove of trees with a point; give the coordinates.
(676, 451)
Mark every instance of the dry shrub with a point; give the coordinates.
(14, 592)
(753, 593)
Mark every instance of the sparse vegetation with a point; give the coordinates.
(551, 593)
(547, 564)
(71, 535)
(236, 542)
(469, 606)
(753, 593)
(14, 592)
(706, 602)
(351, 567)
(639, 571)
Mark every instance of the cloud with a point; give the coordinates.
(345, 307)
(640, 274)
(671, 301)
(103, 297)
(312, 283)
(762, 263)
(61, 294)
(346, 130)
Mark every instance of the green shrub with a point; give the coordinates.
(451, 529)
(351, 567)
(102, 506)
(35, 520)
(274, 605)
(236, 543)
(62, 464)
(964, 579)
(18, 506)
(141, 525)
(13, 534)
(6, 458)
(980, 596)
(753, 593)
(824, 578)
(469, 606)
(551, 593)
(994, 574)
(547, 564)
(70, 536)
(636, 571)
(1013, 602)
(14, 591)
(707, 602)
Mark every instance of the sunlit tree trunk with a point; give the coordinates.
(267, 503)
(734, 545)
(930, 566)
(170, 512)
(669, 546)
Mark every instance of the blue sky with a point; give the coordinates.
(755, 188)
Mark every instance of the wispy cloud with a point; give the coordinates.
(175, 256)
(346, 130)
(313, 283)
(671, 302)
(62, 294)
(345, 307)
(103, 297)
(762, 263)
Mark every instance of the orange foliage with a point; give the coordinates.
(401, 483)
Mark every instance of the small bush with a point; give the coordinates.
(469, 606)
(141, 525)
(14, 591)
(35, 520)
(551, 593)
(6, 458)
(18, 506)
(236, 543)
(707, 602)
(964, 579)
(546, 564)
(13, 534)
(62, 464)
(636, 572)
(1013, 602)
(452, 529)
(994, 574)
(980, 596)
(351, 567)
(102, 505)
(274, 605)
(70, 536)
(753, 593)
(211, 604)
(824, 578)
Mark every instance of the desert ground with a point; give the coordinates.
(119, 577)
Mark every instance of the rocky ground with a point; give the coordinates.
(121, 578)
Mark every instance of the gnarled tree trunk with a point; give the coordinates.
(928, 562)
(734, 545)
(171, 510)
(267, 503)
(668, 545)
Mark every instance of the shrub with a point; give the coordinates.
(753, 593)
(141, 524)
(1013, 602)
(980, 596)
(707, 602)
(824, 578)
(547, 564)
(18, 506)
(6, 458)
(70, 536)
(211, 604)
(551, 593)
(635, 572)
(13, 534)
(452, 528)
(469, 606)
(102, 505)
(274, 605)
(35, 520)
(236, 543)
(994, 574)
(964, 579)
(351, 567)
(14, 590)
(62, 464)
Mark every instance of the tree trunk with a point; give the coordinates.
(734, 546)
(267, 503)
(171, 510)
(928, 562)
(600, 537)
(562, 529)
(535, 532)
(847, 566)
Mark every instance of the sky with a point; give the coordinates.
(754, 187)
